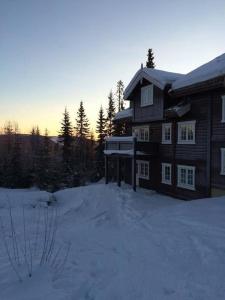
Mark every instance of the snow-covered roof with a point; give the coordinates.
(157, 77)
(210, 70)
(123, 114)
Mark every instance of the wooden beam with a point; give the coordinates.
(209, 146)
(106, 170)
(118, 171)
(134, 166)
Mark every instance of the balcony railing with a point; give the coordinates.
(120, 145)
(128, 145)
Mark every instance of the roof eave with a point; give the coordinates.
(203, 86)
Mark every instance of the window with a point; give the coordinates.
(186, 177)
(141, 133)
(166, 133)
(223, 109)
(186, 132)
(143, 169)
(222, 161)
(166, 173)
(147, 95)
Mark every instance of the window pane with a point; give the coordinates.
(190, 177)
(167, 173)
(183, 132)
(183, 176)
(190, 133)
(146, 135)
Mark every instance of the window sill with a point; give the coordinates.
(146, 105)
(166, 143)
(166, 182)
(222, 174)
(142, 177)
(186, 187)
(186, 143)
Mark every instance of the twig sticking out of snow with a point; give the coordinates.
(8, 251)
(39, 242)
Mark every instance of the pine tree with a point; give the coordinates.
(35, 143)
(82, 123)
(110, 128)
(66, 139)
(150, 62)
(101, 133)
(119, 95)
(43, 178)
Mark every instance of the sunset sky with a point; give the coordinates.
(54, 53)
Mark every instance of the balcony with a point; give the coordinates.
(123, 145)
(129, 146)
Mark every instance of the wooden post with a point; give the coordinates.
(118, 172)
(134, 165)
(106, 170)
(209, 147)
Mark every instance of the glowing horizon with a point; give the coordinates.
(56, 53)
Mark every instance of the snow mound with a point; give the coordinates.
(127, 245)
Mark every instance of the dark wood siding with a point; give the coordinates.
(218, 140)
(151, 112)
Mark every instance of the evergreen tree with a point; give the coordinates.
(66, 139)
(82, 123)
(43, 178)
(34, 153)
(150, 61)
(13, 176)
(101, 133)
(111, 111)
(119, 95)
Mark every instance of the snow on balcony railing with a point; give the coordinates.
(119, 138)
(119, 145)
(123, 114)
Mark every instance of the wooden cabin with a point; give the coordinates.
(177, 145)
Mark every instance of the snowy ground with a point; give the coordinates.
(124, 246)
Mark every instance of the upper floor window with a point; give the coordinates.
(186, 177)
(166, 173)
(147, 95)
(222, 161)
(223, 108)
(166, 133)
(186, 132)
(141, 133)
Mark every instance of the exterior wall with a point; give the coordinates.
(150, 112)
(218, 142)
(204, 155)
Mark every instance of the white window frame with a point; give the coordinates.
(222, 161)
(146, 167)
(137, 132)
(147, 95)
(186, 123)
(164, 180)
(223, 109)
(185, 185)
(164, 127)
